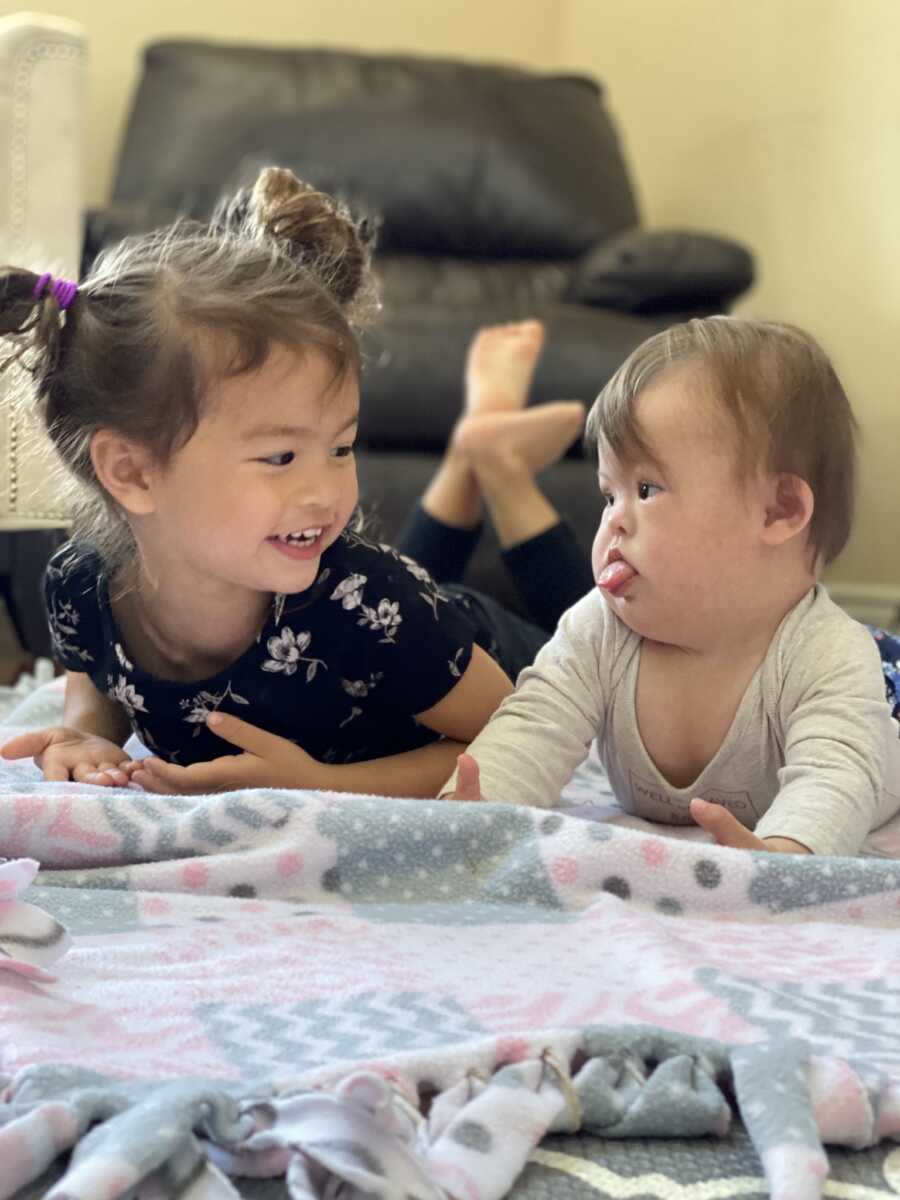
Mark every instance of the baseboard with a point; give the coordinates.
(871, 603)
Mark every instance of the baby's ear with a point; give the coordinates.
(789, 508)
(123, 469)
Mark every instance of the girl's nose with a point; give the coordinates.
(316, 489)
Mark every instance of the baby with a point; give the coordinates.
(721, 683)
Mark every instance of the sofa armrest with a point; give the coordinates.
(662, 271)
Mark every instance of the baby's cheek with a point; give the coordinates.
(599, 551)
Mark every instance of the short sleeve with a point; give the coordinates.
(72, 607)
(411, 638)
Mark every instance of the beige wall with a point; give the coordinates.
(496, 29)
(774, 121)
(778, 122)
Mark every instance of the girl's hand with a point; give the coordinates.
(468, 783)
(64, 754)
(267, 761)
(728, 831)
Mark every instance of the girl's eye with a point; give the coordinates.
(646, 490)
(606, 499)
(279, 460)
(343, 451)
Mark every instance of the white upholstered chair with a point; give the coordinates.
(42, 130)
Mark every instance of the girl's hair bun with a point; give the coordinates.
(320, 230)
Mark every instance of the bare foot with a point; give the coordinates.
(500, 365)
(518, 442)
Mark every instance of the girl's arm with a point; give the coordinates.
(88, 747)
(89, 711)
(271, 761)
(467, 708)
(460, 717)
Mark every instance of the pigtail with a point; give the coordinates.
(30, 319)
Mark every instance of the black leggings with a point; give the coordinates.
(550, 572)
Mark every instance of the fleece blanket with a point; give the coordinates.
(360, 997)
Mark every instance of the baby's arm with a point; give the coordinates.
(724, 827)
(542, 732)
(841, 773)
(87, 747)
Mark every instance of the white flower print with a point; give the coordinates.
(385, 618)
(123, 660)
(124, 693)
(287, 649)
(453, 664)
(432, 595)
(358, 687)
(432, 599)
(150, 742)
(63, 619)
(349, 591)
(204, 703)
(354, 712)
(415, 570)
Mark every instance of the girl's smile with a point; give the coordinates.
(303, 545)
(249, 504)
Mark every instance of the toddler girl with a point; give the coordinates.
(203, 386)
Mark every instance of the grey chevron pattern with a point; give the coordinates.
(266, 1039)
(857, 1020)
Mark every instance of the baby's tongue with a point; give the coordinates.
(615, 575)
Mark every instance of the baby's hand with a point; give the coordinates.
(728, 831)
(64, 754)
(468, 783)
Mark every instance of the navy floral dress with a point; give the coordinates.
(341, 668)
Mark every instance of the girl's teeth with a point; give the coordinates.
(306, 537)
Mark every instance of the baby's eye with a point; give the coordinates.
(646, 490)
(342, 451)
(606, 499)
(279, 460)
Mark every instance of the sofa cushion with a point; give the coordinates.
(453, 157)
(413, 367)
(659, 270)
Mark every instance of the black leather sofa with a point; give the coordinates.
(500, 194)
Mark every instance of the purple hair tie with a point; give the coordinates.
(63, 291)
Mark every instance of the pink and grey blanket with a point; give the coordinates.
(356, 997)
